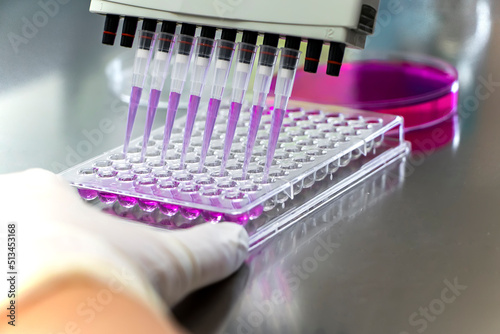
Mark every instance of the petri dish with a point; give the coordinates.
(421, 88)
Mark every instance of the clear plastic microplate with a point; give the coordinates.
(322, 149)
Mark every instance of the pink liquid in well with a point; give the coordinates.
(241, 219)
(87, 194)
(232, 122)
(173, 104)
(194, 103)
(256, 212)
(256, 115)
(107, 198)
(135, 98)
(212, 217)
(276, 122)
(154, 99)
(148, 206)
(213, 110)
(169, 209)
(190, 213)
(422, 94)
(127, 201)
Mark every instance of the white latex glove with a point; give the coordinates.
(59, 234)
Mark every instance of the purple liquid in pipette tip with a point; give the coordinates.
(135, 98)
(154, 99)
(173, 104)
(276, 122)
(194, 103)
(234, 115)
(256, 115)
(213, 109)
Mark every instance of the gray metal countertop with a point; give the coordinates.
(414, 254)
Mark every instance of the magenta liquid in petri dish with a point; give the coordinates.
(422, 89)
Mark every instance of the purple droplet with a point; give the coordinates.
(107, 198)
(127, 201)
(148, 206)
(190, 213)
(87, 194)
(169, 209)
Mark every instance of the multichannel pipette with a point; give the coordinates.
(141, 66)
(261, 87)
(224, 57)
(182, 52)
(245, 59)
(203, 58)
(161, 62)
(289, 60)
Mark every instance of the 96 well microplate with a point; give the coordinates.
(313, 145)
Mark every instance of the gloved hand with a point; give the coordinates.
(61, 235)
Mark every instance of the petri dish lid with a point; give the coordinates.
(422, 89)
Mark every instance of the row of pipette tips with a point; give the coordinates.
(160, 53)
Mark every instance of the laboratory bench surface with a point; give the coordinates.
(415, 249)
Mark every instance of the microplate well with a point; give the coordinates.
(322, 149)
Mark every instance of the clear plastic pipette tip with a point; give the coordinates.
(289, 61)
(141, 65)
(201, 63)
(160, 67)
(245, 59)
(261, 88)
(223, 59)
(182, 59)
